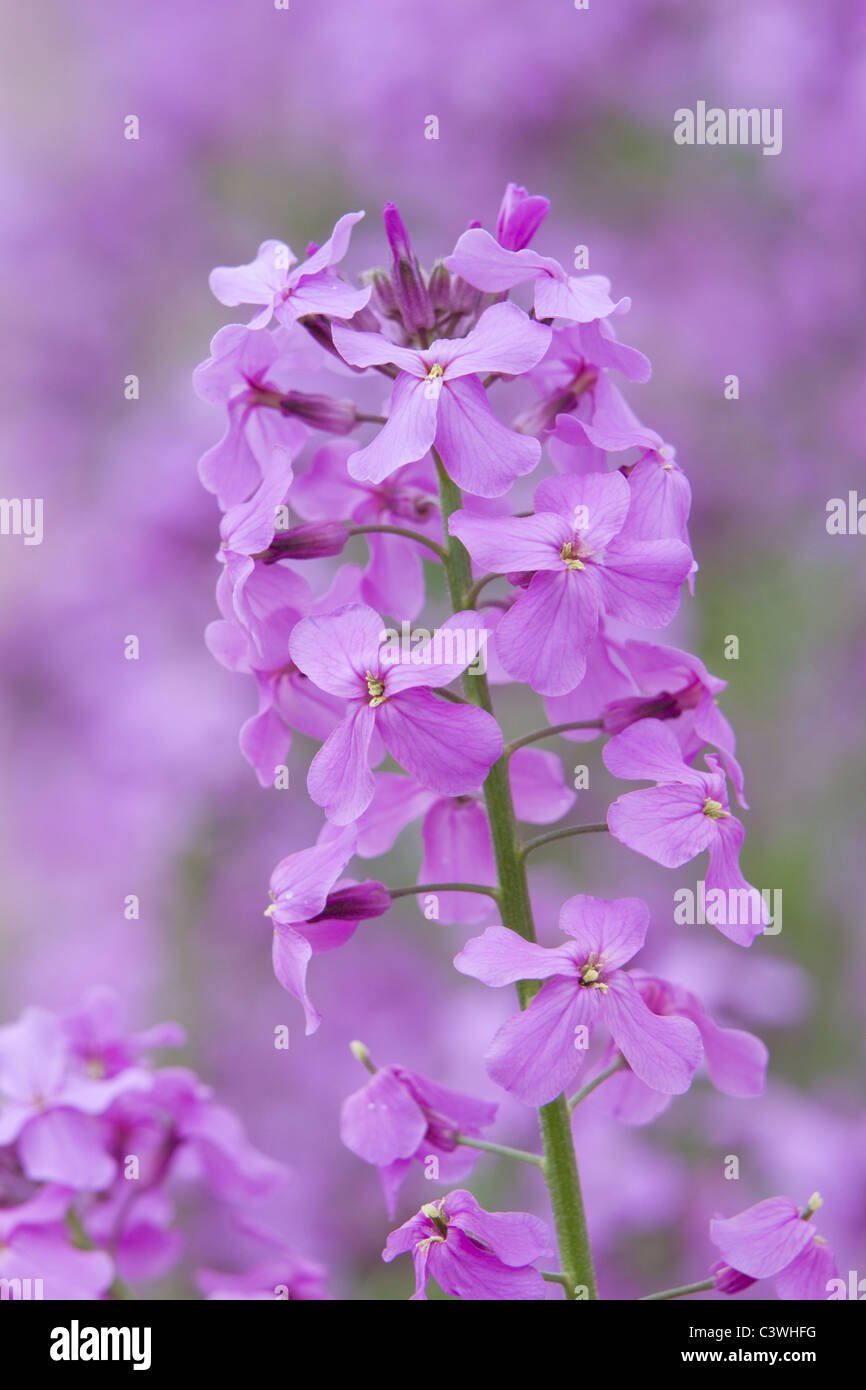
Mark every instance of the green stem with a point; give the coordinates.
(704, 1286)
(444, 888)
(560, 1164)
(564, 834)
(502, 1150)
(399, 531)
(551, 729)
(590, 1086)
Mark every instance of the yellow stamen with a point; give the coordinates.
(567, 554)
(713, 809)
(375, 689)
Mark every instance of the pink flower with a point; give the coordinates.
(289, 290)
(582, 554)
(449, 748)
(538, 1052)
(438, 400)
(399, 1116)
(471, 1253)
(686, 812)
(774, 1239)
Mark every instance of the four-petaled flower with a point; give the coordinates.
(471, 1253)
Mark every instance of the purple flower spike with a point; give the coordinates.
(774, 1239)
(399, 1116)
(439, 400)
(471, 1253)
(449, 748)
(537, 1053)
(686, 812)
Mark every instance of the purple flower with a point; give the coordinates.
(576, 392)
(538, 1052)
(677, 687)
(480, 259)
(50, 1104)
(283, 287)
(685, 813)
(399, 1116)
(471, 1253)
(455, 831)
(312, 914)
(449, 748)
(243, 374)
(438, 400)
(582, 554)
(774, 1239)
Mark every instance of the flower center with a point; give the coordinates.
(590, 975)
(435, 371)
(375, 689)
(567, 553)
(713, 809)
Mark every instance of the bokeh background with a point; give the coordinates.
(125, 777)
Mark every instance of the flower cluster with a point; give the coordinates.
(95, 1141)
(378, 410)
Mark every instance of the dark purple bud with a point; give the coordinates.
(312, 248)
(520, 217)
(619, 714)
(730, 1280)
(321, 412)
(413, 299)
(353, 904)
(398, 237)
(313, 540)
